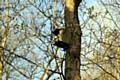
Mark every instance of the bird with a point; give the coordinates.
(62, 44)
(58, 31)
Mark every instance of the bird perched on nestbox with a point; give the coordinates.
(58, 38)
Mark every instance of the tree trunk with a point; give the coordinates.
(73, 33)
(3, 40)
(1, 63)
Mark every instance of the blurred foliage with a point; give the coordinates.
(30, 54)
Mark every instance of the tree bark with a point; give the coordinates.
(3, 40)
(73, 35)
